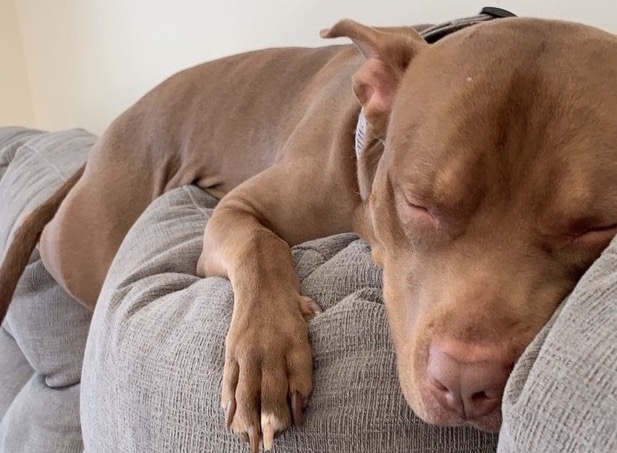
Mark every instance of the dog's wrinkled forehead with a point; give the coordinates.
(502, 99)
(520, 79)
(564, 51)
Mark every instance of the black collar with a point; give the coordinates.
(436, 32)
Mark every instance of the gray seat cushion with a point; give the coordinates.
(154, 358)
(44, 334)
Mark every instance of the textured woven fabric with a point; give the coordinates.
(16, 371)
(44, 333)
(154, 358)
(11, 138)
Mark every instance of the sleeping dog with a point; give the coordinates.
(480, 168)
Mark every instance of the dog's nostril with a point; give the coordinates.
(479, 396)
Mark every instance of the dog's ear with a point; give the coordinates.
(388, 52)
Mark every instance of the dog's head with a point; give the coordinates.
(494, 190)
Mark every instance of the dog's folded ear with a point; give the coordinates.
(388, 52)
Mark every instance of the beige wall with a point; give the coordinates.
(89, 59)
(15, 101)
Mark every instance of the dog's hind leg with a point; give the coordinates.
(79, 244)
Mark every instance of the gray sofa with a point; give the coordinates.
(143, 373)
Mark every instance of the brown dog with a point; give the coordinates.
(485, 185)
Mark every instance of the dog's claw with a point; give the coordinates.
(268, 436)
(297, 405)
(230, 411)
(254, 439)
(309, 308)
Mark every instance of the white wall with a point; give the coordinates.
(15, 102)
(90, 59)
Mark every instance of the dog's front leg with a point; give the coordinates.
(268, 361)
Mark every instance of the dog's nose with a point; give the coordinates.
(468, 383)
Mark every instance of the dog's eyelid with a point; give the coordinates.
(422, 207)
(589, 225)
(417, 205)
(605, 229)
(595, 236)
(415, 199)
(424, 211)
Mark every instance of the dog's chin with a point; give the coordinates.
(436, 415)
(427, 408)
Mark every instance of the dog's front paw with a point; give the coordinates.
(268, 367)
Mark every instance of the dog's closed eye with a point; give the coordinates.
(595, 237)
(421, 213)
(417, 208)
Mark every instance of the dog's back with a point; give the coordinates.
(215, 125)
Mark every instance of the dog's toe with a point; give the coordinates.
(309, 308)
(267, 378)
